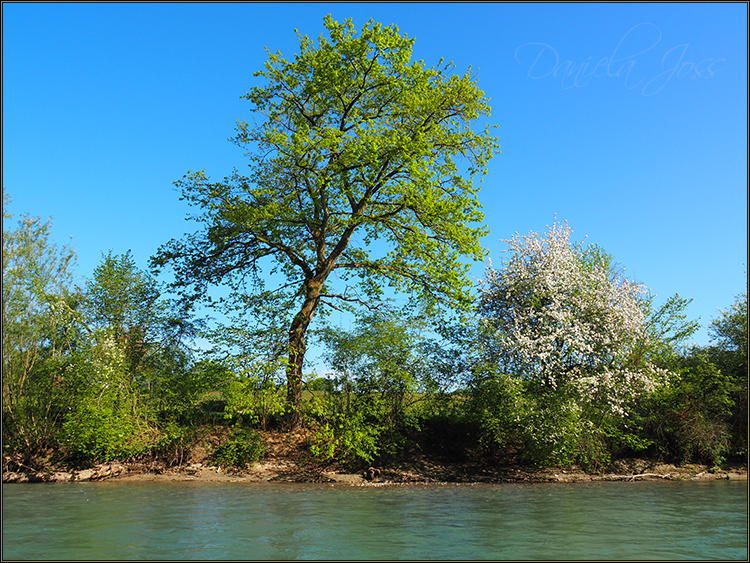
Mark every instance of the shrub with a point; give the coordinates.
(253, 401)
(105, 433)
(498, 406)
(689, 418)
(243, 446)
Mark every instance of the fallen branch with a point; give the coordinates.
(665, 476)
(634, 477)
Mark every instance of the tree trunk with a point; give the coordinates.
(312, 289)
(297, 346)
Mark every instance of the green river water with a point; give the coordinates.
(183, 520)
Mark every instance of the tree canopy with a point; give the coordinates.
(353, 142)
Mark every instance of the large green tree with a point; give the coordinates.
(353, 141)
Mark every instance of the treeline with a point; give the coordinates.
(98, 372)
(563, 361)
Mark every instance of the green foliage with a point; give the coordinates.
(123, 300)
(499, 406)
(382, 379)
(701, 415)
(125, 304)
(626, 438)
(669, 324)
(243, 446)
(106, 432)
(33, 426)
(355, 142)
(108, 421)
(688, 418)
(321, 384)
(543, 427)
(348, 436)
(39, 329)
(173, 440)
(550, 430)
(729, 331)
(376, 357)
(254, 401)
(175, 384)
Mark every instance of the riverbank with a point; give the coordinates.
(287, 460)
(411, 473)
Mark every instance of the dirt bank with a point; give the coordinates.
(287, 460)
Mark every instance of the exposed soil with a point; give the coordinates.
(287, 459)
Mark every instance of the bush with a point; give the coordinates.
(498, 407)
(350, 442)
(626, 438)
(689, 418)
(243, 446)
(549, 431)
(105, 433)
(254, 401)
(342, 433)
(544, 428)
(109, 420)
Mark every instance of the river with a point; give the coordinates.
(182, 520)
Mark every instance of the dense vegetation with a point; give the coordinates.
(555, 359)
(541, 374)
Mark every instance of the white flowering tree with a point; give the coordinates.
(562, 316)
(574, 332)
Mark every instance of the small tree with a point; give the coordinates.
(39, 328)
(380, 376)
(124, 301)
(688, 419)
(729, 331)
(356, 142)
(380, 361)
(125, 309)
(109, 420)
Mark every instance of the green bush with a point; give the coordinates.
(545, 428)
(243, 446)
(105, 433)
(498, 406)
(689, 419)
(626, 438)
(253, 401)
(549, 431)
(109, 420)
(350, 440)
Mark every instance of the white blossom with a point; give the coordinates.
(559, 313)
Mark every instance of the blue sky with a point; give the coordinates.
(627, 120)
